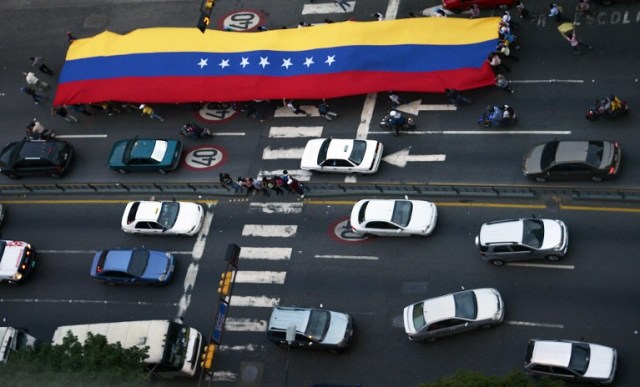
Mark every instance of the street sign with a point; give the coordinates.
(242, 20)
(216, 112)
(341, 231)
(218, 326)
(205, 157)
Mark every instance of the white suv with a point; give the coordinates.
(17, 259)
(523, 239)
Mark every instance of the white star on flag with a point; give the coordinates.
(330, 59)
(308, 61)
(224, 63)
(286, 63)
(245, 62)
(264, 62)
(202, 63)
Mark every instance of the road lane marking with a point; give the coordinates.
(268, 253)
(282, 153)
(238, 348)
(541, 265)
(299, 174)
(439, 204)
(287, 112)
(72, 301)
(264, 230)
(260, 277)
(255, 301)
(326, 8)
(185, 252)
(81, 136)
(534, 324)
(599, 208)
(548, 81)
(228, 133)
(245, 325)
(222, 376)
(365, 257)
(554, 132)
(366, 116)
(276, 208)
(295, 131)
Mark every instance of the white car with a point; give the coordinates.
(453, 313)
(571, 360)
(394, 217)
(162, 218)
(342, 156)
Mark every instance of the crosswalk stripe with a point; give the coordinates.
(255, 301)
(295, 131)
(260, 277)
(245, 325)
(287, 112)
(326, 8)
(268, 253)
(299, 174)
(276, 208)
(265, 230)
(282, 153)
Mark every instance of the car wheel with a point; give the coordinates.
(122, 171)
(541, 179)
(497, 262)
(553, 258)
(597, 179)
(162, 171)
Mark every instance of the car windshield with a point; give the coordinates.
(466, 305)
(138, 262)
(532, 232)
(322, 153)
(418, 316)
(318, 324)
(358, 151)
(402, 212)
(580, 354)
(168, 214)
(548, 156)
(594, 153)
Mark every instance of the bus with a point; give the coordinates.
(174, 348)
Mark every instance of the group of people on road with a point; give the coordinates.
(279, 184)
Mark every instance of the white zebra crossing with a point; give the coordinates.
(265, 230)
(279, 208)
(295, 131)
(282, 153)
(268, 253)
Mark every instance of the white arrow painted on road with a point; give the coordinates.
(402, 157)
(415, 106)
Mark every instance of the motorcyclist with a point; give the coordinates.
(396, 121)
(508, 115)
(36, 131)
(193, 130)
(616, 103)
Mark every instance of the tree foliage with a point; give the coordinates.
(475, 379)
(92, 363)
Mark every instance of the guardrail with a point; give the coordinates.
(331, 190)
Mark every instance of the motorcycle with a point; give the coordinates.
(195, 131)
(387, 122)
(35, 131)
(608, 107)
(498, 116)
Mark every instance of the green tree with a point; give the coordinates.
(93, 363)
(476, 379)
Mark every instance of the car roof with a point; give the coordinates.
(439, 308)
(339, 148)
(117, 260)
(148, 148)
(40, 149)
(502, 231)
(282, 316)
(379, 209)
(549, 352)
(571, 151)
(148, 210)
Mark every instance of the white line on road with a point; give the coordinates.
(326, 8)
(366, 257)
(238, 348)
(81, 136)
(351, 179)
(556, 132)
(282, 153)
(222, 376)
(175, 252)
(101, 302)
(254, 301)
(228, 133)
(299, 174)
(365, 117)
(268, 253)
(276, 208)
(245, 325)
(260, 277)
(549, 81)
(286, 112)
(295, 131)
(534, 324)
(265, 230)
(542, 265)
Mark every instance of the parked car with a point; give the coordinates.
(463, 5)
(342, 156)
(133, 266)
(571, 360)
(453, 313)
(36, 157)
(573, 160)
(17, 260)
(394, 217)
(522, 239)
(162, 218)
(314, 328)
(145, 154)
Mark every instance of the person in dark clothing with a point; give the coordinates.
(227, 182)
(37, 98)
(455, 97)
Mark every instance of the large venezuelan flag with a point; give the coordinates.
(183, 65)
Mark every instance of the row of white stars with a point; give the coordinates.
(264, 62)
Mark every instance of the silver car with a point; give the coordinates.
(453, 313)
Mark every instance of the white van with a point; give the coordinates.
(14, 339)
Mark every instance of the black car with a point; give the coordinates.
(36, 157)
(573, 160)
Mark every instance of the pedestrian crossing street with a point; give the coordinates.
(264, 257)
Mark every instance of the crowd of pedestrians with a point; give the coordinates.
(250, 186)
